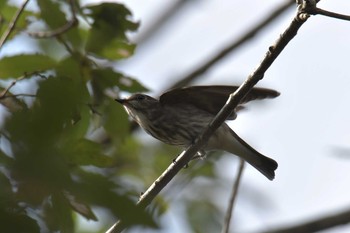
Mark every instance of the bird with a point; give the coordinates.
(180, 115)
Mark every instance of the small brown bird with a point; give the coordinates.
(181, 115)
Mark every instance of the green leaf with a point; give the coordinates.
(97, 190)
(117, 50)
(58, 214)
(51, 13)
(17, 65)
(86, 152)
(108, 33)
(7, 12)
(107, 78)
(17, 222)
(116, 120)
(79, 206)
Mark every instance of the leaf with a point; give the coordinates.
(107, 78)
(51, 13)
(108, 33)
(17, 65)
(97, 190)
(116, 120)
(58, 214)
(86, 152)
(7, 13)
(117, 50)
(17, 222)
(79, 206)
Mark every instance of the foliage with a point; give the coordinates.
(66, 146)
(50, 168)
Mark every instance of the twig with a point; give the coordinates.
(160, 21)
(228, 216)
(7, 89)
(234, 45)
(58, 31)
(4, 93)
(318, 224)
(232, 102)
(12, 24)
(319, 11)
(17, 95)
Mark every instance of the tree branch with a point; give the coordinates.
(58, 31)
(232, 102)
(12, 24)
(228, 216)
(231, 47)
(318, 224)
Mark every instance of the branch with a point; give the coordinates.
(318, 224)
(232, 102)
(161, 20)
(228, 216)
(12, 24)
(7, 89)
(4, 93)
(58, 31)
(231, 47)
(319, 11)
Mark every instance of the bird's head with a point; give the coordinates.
(139, 106)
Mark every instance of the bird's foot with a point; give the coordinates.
(200, 155)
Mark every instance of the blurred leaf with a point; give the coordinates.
(117, 50)
(6, 193)
(50, 12)
(80, 207)
(98, 190)
(116, 120)
(203, 216)
(107, 78)
(108, 32)
(69, 68)
(17, 65)
(86, 152)
(17, 223)
(7, 13)
(58, 214)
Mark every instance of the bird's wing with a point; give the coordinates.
(212, 98)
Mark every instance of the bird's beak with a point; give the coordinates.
(121, 101)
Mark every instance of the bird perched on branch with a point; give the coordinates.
(180, 115)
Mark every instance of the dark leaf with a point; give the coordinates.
(108, 78)
(107, 36)
(52, 14)
(79, 206)
(86, 152)
(58, 214)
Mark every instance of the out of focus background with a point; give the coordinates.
(71, 162)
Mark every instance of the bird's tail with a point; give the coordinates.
(239, 147)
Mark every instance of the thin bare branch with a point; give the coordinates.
(12, 24)
(317, 225)
(319, 11)
(160, 21)
(233, 101)
(234, 192)
(17, 95)
(7, 89)
(58, 31)
(231, 47)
